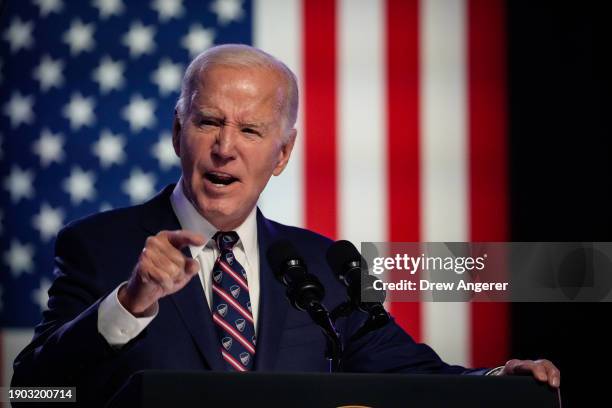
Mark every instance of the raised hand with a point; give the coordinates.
(162, 269)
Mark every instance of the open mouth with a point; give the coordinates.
(222, 179)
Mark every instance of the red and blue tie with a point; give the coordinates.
(231, 309)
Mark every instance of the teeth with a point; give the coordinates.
(221, 175)
(220, 180)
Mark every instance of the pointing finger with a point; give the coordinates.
(181, 238)
(191, 267)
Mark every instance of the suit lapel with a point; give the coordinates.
(194, 310)
(190, 301)
(273, 305)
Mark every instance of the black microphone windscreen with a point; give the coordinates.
(339, 254)
(279, 253)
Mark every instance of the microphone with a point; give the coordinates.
(346, 261)
(305, 292)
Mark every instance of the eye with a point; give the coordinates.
(208, 122)
(249, 130)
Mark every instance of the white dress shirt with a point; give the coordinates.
(118, 326)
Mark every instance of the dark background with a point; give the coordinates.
(561, 175)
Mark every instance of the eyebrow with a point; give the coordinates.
(203, 113)
(252, 125)
(198, 114)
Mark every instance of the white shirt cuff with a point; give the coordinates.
(116, 324)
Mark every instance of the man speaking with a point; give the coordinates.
(182, 281)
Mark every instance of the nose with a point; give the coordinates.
(225, 144)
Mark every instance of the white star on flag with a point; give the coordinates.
(19, 109)
(19, 184)
(140, 113)
(80, 185)
(227, 10)
(49, 147)
(49, 73)
(79, 37)
(139, 186)
(167, 76)
(79, 111)
(109, 148)
(139, 39)
(49, 6)
(198, 39)
(167, 9)
(48, 221)
(163, 151)
(109, 75)
(40, 296)
(19, 34)
(108, 8)
(19, 258)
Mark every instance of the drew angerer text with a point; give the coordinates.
(425, 285)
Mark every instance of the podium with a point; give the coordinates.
(149, 389)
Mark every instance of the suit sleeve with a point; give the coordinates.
(67, 345)
(391, 349)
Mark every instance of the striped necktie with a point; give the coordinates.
(232, 306)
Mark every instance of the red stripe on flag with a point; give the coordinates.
(320, 116)
(402, 53)
(488, 163)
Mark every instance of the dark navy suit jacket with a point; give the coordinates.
(95, 254)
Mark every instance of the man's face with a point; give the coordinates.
(232, 141)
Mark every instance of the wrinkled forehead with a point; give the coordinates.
(250, 88)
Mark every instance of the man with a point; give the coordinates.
(126, 296)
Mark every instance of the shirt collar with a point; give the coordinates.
(190, 219)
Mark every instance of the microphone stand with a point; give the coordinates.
(351, 269)
(377, 316)
(333, 352)
(342, 310)
(305, 293)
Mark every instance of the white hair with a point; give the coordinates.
(242, 56)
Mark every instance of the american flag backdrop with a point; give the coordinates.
(401, 131)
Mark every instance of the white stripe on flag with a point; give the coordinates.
(444, 159)
(13, 341)
(278, 30)
(361, 121)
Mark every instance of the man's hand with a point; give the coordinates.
(542, 370)
(162, 269)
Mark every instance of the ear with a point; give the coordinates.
(176, 134)
(285, 153)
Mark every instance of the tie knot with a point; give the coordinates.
(226, 240)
